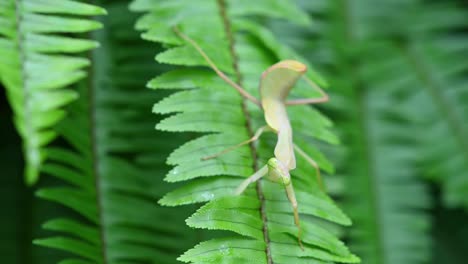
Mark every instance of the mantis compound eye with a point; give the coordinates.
(286, 180)
(278, 172)
(273, 163)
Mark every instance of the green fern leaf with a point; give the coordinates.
(226, 250)
(431, 74)
(262, 216)
(107, 169)
(34, 70)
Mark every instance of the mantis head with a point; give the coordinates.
(278, 172)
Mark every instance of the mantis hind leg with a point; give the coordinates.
(257, 135)
(225, 78)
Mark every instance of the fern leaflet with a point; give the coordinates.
(35, 69)
(107, 163)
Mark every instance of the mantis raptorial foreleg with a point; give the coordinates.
(312, 163)
(257, 135)
(255, 177)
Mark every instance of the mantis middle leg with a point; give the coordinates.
(322, 99)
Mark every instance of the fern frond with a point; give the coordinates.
(262, 216)
(23, 214)
(432, 74)
(38, 62)
(382, 190)
(108, 162)
(387, 200)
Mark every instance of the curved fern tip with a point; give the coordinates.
(97, 25)
(40, 193)
(38, 241)
(102, 11)
(345, 221)
(31, 175)
(164, 202)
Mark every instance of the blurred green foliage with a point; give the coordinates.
(397, 77)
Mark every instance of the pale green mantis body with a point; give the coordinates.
(275, 85)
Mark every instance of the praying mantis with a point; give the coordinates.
(275, 84)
